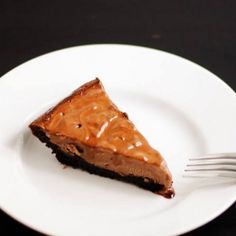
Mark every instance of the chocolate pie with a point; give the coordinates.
(86, 130)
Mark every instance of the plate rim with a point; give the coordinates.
(119, 45)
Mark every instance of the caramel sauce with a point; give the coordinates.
(89, 116)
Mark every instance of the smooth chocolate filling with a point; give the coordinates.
(76, 161)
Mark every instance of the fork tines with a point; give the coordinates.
(223, 164)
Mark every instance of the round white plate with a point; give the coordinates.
(181, 108)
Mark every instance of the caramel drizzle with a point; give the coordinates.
(95, 120)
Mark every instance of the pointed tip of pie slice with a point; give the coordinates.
(90, 132)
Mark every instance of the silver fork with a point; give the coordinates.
(221, 164)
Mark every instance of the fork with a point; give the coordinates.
(221, 164)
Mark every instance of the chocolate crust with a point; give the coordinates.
(78, 162)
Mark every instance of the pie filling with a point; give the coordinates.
(74, 155)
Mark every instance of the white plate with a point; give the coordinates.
(181, 108)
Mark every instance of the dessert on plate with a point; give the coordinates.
(86, 130)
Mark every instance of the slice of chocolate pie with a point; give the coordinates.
(86, 130)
